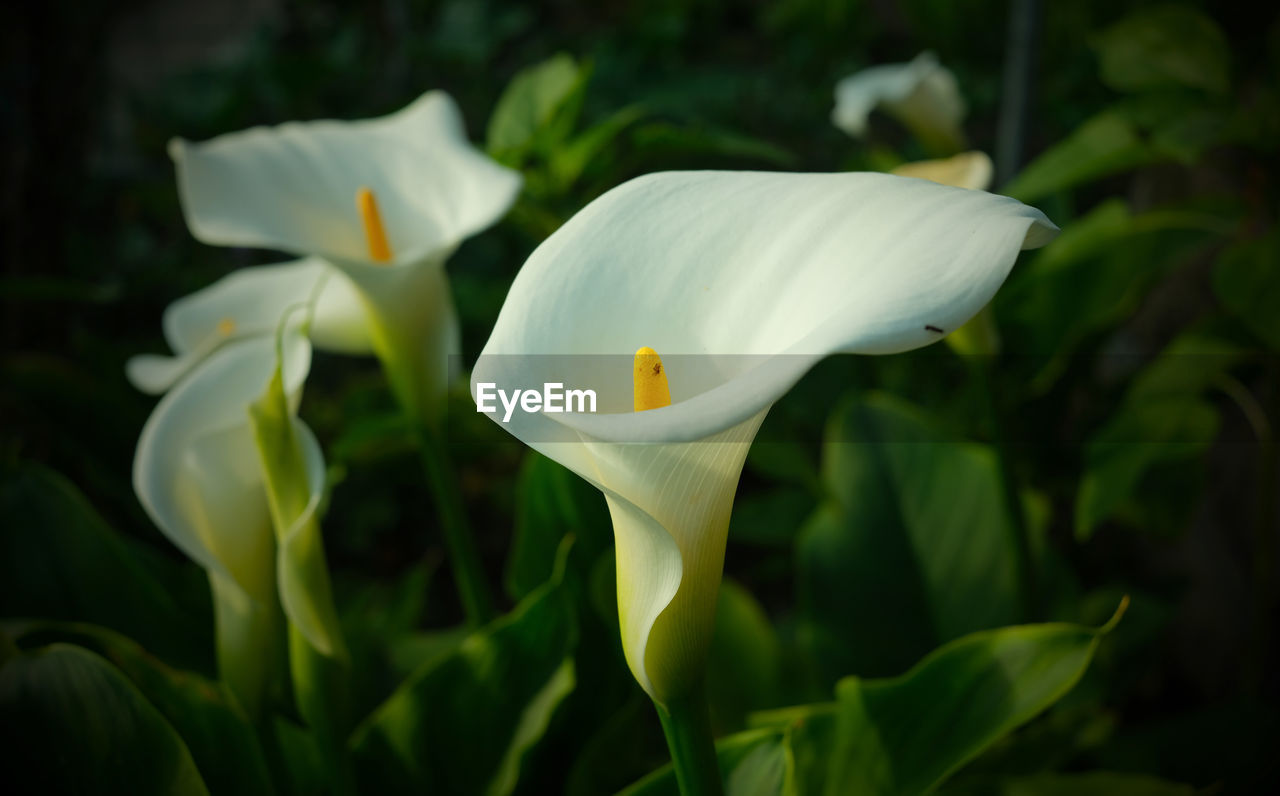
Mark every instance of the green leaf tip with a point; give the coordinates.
(1116, 617)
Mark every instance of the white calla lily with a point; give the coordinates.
(758, 276)
(198, 473)
(922, 94)
(294, 188)
(250, 302)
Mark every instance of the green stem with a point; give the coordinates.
(687, 724)
(465, 561)
(322, 692)
(1018, 529)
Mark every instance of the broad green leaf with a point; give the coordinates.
(464, 721)
(1138, 438)
(1247, 282)
(1106, 144)
(552, 502)
(908, 734)
(59, 560)
(70, 721)
(912, 548)
(540, 102)
(202, 712)
(1163, 47)
(745, 657)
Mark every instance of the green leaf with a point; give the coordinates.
(72, 722)
(1138, 438)
(552, 502)
(745, 656)
(908, 734)
(538, 108)
(1106, 144)
(202, 712)
(59, 560)
(912, 548)
(463, 722)
(568, 162)
(1169, 46)
(1246, 282)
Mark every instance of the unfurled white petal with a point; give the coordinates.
(972, 170)
(787, 268)
(742, 281)
(195, 470)
(293, 187)
(921, 94)
(254, 301)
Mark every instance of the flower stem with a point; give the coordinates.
(465, 561)
(687, 724)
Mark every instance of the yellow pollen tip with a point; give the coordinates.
(226, 326)
(649, 380)
(375, 234)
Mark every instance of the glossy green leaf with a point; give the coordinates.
(463, 722)
(539, 103)
(1246, 283)
(1162, 47)
(908, 734)
(1106, 144)
(59, 560)
(912, 547)
(75, 724)
(202, 711)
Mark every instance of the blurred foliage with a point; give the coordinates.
(1124, 441)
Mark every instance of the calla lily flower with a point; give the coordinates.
(250, 302)
(199, 473)
(749, 279)
(384, 200)
(922, 94)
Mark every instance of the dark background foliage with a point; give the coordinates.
(95, 248)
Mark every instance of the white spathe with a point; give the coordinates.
(761, 275)
(198, 474)
(922, 94)
(293, 188)
(249, 302)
